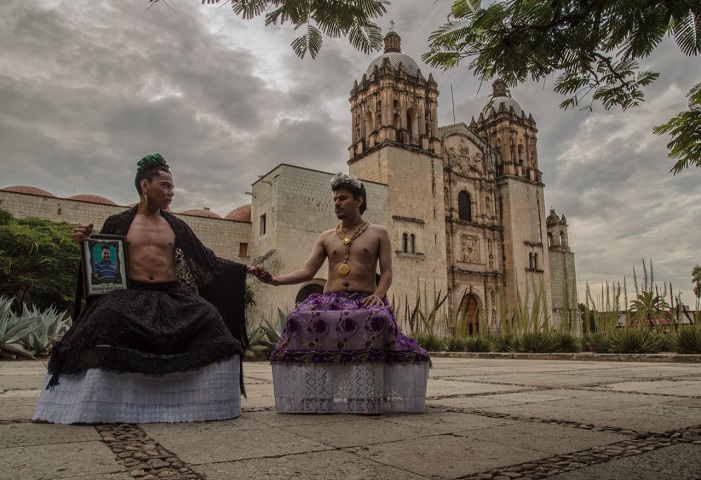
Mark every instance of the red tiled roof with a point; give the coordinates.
(29, 190)
(92, 198)
(240, 214)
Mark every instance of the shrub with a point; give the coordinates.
(597, 342)
(665, 341)
(431, 343)
(634, 340)
(30, 334)
(535, 342)
(566, 343)
(456, 344)
(504, 343)
(477, 344)
(687, 340)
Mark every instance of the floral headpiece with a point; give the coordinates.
(151, 161)
(345, 179)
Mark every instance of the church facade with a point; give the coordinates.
(464, 205)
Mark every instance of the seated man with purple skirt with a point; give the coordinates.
(341, 351)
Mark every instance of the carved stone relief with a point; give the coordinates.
(470, 249)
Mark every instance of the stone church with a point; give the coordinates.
(464, 205)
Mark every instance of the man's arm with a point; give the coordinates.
(307, 272)
(385, 260)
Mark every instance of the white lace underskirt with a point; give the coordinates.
(354, 388)
(98, 396)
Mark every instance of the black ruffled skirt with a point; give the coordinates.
(154, 329)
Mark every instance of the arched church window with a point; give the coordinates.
(412, 243)
(488, 206)
(379, 105)
(396, 104)
(550, 239)
(563, 242)
(405, 243)
(464, 206)
(530, 261)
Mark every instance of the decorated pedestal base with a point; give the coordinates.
(98, 396)
(336, 355)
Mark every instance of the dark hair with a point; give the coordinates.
(105, 247)
(149, 167)
(148, 175)
(355, 191)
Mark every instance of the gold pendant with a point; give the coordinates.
(346, 241)
(343, 269)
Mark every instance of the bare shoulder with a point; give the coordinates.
(324, 237)
(379, 230)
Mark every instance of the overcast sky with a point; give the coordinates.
(89, 87)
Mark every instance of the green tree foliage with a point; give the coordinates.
(39, 262)
(696, 280)
(685, 129)
(593, 47)
(316, 18)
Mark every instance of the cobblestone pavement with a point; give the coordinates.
(486, 418)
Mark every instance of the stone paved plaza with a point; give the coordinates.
(486, 418)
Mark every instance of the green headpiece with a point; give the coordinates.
(151, 161)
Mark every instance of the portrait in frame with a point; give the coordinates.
(104, 264)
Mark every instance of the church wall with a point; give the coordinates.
(523, 217)
(562, 271)
(416, 204)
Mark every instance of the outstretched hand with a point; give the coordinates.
(260, 273)
(82, 233)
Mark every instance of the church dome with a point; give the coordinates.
(552, 218)
(29, 190)
(205, 212)
(240, 214)
(91, 198)
(499, 98)
(393, 53)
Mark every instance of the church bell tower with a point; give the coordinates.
(395, 142)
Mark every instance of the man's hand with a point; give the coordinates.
(260, 273)
(82, 232)
(372, 300)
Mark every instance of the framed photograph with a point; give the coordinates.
(104, 264)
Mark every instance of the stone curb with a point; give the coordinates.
(581, 356)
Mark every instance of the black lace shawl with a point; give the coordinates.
(219, 281)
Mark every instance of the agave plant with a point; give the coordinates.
(634, 340)
(597, 342)
(503, 343)
(534, 342)
(51, 327)
(687, 339)
(566, 343)
(477, 344)
(12, 330)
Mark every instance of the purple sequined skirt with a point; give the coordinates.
(337, 328)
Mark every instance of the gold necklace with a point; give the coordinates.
(343, 268)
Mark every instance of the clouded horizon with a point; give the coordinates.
(88, 88)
